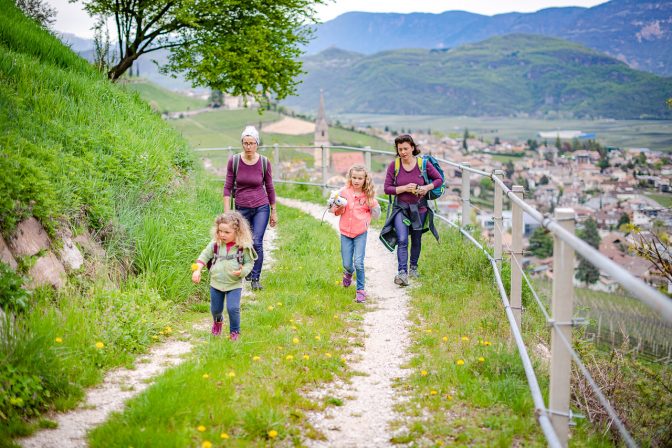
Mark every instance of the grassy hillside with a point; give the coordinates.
(164, 100)
(502, 76)
(79, 153)
(71, 142)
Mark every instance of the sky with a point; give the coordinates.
(72, 19)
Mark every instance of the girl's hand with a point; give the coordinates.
(238, 272)
(196, 276)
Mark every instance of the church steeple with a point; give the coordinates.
(321, 133)
(321, 126)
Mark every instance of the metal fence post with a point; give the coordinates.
(276, 160)
(498, 220)
(367, 159)
(324, 166)
(466, 206)
(562, 309)
(517, 254)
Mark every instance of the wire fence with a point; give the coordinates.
(638, 313)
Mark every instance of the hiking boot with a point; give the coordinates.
(347, 279)
(256, 284)
(216, 328)
(413, 272)
(234, 336)
(361, 296)
(401, 279)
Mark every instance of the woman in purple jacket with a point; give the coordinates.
(409, 213)
(252, 188)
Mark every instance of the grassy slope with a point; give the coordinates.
(165, 100)
(71, 141)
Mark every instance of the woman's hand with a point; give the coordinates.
(423, 190)
(274, 217)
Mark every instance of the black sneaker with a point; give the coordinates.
(256, 284)
(401, 279)
(248, 277)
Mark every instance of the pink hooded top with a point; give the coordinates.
(356, 215)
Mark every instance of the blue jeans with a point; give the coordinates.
(232, 306)
(258, 219)
(354, 249)
(402, 244)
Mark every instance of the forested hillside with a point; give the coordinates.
(515, 75)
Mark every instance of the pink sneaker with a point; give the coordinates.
(347, 279)
(216, 328)
(361, 296)
(234, 336)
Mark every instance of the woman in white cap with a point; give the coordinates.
(249, 179)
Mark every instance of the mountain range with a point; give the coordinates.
(513, 75)
(637, 32)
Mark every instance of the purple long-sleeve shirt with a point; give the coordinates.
(250, 191)
(407, 177)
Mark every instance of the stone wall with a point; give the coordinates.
(54, 258)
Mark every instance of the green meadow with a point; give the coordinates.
(164, 100)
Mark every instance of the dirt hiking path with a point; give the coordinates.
(365, 417)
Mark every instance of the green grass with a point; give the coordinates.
(467, 385)
(164, 100)
(665, 200)
(243, 397)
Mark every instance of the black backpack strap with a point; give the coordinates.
(236, 162)
(264, 167)
(239, 256)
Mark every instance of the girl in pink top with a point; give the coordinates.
(356, 215)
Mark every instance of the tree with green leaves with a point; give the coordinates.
(248, 48)
(465, 137)
(541, 243)
(623, 220)
(587, 272)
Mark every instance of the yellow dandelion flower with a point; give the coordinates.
(99, 345)
(161, 332)
(206, 376)
(272, 433)
(224, 436)
(343, 359)
(487, 343)
(460, 362)
(306, 357)
(194, 267)
(168, 329)
(200, 428)
(423, 373)
(444, 339)
(289, 357)
(58, 340)
(433, 392)
(465, 338)
(335, 316)
(318, 337)
(328, 355)
(481, 359)
(439, 443)
(280, 347)
(255, 358)
(429, 330)
(279, 303)
(231, 374)
(449, 397)
(206, 444)
(155, 337)
(295, 340)
(337, 282)
(270, 307)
